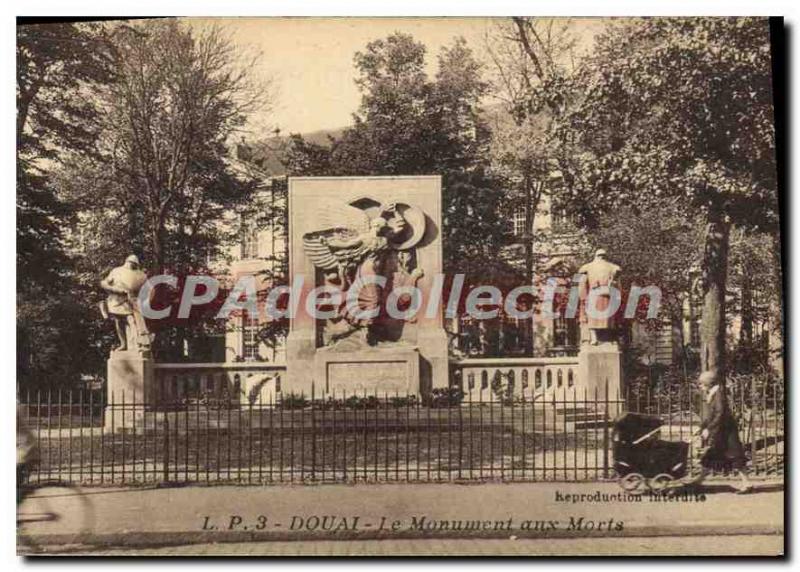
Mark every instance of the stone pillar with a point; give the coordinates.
(600, 364)
(435, 364)
(131, 375)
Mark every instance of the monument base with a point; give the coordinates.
(300, 351)
(600, 367)
(131, 380)
(376, 371)
(435, 366)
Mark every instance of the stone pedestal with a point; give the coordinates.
(131, 379)
(600, 366)
(373, 371)
(434, 368)
(301, 348)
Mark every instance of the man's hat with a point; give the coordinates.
(600, 252)
(133, 258)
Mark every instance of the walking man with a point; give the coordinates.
(720, 434)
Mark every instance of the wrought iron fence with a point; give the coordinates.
(449, 436)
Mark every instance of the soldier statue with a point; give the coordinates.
(602, 278)
(122, 305)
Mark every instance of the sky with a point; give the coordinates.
(310, 60)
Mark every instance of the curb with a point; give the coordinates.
(178, 538)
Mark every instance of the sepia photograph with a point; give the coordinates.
(400, 286)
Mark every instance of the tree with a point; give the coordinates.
(179, 96)
(531, 58)
(60, 67)
(410, 124)
(163, 178)
(659, 246)
(679, 108)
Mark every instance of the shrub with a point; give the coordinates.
(445, 397)
(293, 401)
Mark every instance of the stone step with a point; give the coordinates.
(591, 424)
(577, 416)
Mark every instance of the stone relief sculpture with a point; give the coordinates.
(351, 246)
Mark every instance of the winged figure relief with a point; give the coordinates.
(348, 244)
(345, 239)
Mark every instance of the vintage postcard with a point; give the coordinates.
(400, 286)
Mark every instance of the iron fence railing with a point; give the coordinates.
(450, 436)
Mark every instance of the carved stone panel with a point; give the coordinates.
(369, 372)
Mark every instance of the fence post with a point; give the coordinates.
(605, 433)
(313, 436)
(165, 452)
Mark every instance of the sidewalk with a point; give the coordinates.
(173, 516)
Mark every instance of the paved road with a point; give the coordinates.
(688, 546)
(535, 513)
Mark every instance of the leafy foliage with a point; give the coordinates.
(60, 67)
(677, 110)
(660, 246)
(162, 181)
(680, 108)
(410, 124)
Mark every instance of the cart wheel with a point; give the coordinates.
(660, 482)
(633, 483)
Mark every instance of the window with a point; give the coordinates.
(695, 307)
(562, 219)
(566, 332)
(520, 221)
(250, 339)
(249, 238)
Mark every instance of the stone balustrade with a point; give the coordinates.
(488, 379)
(484, 379)
(242, 382)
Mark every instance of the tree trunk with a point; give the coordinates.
(157, 244)
(24, 102)
(165, 344)
(715, 270)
